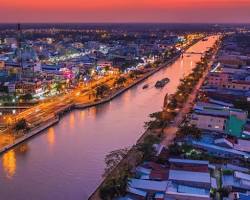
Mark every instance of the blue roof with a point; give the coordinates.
(244, 196)
(188, 161)
(222, 149)
(191, 190)
(137, 191)
(148, 184)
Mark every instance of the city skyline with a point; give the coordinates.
(181, 11)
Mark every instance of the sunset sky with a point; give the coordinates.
(125, 11)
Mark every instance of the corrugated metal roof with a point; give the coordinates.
(191, 190)
(244, 197)
(226, 150)
(200, 177)
(137, 192)
(148, 184)
(201, 162)
(242, 175)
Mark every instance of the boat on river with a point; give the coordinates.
(162, 83)
(145, 86)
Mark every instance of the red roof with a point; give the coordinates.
(189, 167)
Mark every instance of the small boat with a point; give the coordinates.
(145, 86)
(161, 83)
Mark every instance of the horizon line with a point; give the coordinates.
(40, 22)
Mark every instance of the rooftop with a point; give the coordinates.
(179, 175)
(148, 184)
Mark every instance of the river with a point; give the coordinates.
(66, 161)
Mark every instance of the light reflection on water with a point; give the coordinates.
(9, 163)
(73, 167)
(51, 136)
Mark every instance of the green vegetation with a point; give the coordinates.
(115, 186)
(21, 125)
(188, 83)
(189, 130)
(4, 89)
(113, 159)
(177, 150)
(121, 80)
(146, 147)
(135, 73)
(116, 178)
(157, 121)
(59, 87)
(227, 172)
(224, 192)
(244, 105)
(101, 90)
(26, 97)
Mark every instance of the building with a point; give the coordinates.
(182, 192)
(219, 119)
(238, 181)
(189, 180)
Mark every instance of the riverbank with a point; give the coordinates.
(31, 134)
(169, 133)
(50, 120)
(122, 90)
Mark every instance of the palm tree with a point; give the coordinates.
(101, 90)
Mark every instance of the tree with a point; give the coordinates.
(157, 122)
(244, 105)
(191, 130)
(27, 97)
(4, 89)
(59, 87)
(115, 186)
(113, 159)
(121, 80)
(174, 149)
(117, 180)
(101, 90)
(21, 125)
(147, 148)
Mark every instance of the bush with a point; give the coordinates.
(21, 125)
(146, 147)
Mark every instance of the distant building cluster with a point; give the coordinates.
(36, 61)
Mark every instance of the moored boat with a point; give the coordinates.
(145, 86)
(161, 83)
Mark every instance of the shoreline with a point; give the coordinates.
(56, 119)
(31, 134)
(95, 194)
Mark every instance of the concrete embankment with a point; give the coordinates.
(31, 133)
